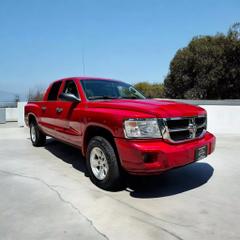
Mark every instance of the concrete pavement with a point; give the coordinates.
(45, 194)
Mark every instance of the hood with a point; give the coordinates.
(159, 108)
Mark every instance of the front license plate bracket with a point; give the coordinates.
(201, 152)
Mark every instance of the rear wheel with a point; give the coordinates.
(102, 164)
(38, 138)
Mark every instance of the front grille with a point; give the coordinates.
(183, 128)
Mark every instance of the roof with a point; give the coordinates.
(86, 78)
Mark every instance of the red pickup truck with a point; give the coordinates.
(117, 129)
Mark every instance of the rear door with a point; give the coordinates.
(49, 117)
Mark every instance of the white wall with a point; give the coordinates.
(223, 119)
(20, 108)
(14, 114)
(11, 114)
(2, 115)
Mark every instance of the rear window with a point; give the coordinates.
(53, 94)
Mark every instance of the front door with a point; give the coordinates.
(69, 116)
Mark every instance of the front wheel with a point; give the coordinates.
(38, 138)
(102, 164)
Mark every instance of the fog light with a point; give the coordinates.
(149, 157)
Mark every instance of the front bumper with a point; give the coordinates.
(145, 157)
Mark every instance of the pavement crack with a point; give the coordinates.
(148, 214)
(160, 227)
(51, 187)
(152, 217)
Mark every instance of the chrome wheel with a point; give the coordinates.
(33, 133)
(98, 163)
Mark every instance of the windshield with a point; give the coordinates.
(107, 89)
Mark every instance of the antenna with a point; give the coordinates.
(83, 61)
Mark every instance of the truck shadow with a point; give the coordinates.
(172, 182)
(67, 154)
(167, 184)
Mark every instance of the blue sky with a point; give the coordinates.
(131, 40)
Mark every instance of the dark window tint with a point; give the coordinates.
(107, 89)
(52, 96)
(71, 88)
(99, 88)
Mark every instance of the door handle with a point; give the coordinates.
(44, 108)
(59, 110)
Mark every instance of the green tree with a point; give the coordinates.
(208, 68)
(155, 90)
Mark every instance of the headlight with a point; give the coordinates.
(142, 128)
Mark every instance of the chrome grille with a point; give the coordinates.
(183, 128)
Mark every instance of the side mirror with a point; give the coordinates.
(69, 97)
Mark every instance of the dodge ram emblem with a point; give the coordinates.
(192, 128)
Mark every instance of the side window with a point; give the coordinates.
(71, 88)
(52, 96)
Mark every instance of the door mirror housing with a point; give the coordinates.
(69, 97)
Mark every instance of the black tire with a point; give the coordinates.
(112, 180)
(40, 138)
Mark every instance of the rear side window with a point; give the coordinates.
(53, 94)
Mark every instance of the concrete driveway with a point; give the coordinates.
(45, 194)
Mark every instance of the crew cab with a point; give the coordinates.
(117, 129)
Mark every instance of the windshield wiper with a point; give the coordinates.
(102, 97)
(130, 97)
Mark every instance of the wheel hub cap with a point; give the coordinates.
(33, 133)
(98, 163)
